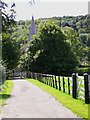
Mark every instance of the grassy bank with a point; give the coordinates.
(5, 92)
(77, 106)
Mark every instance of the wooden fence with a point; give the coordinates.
(77, 86)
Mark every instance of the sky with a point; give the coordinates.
(49, 8)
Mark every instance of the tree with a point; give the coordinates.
(88, 44)
(77, 43)
(84, 38)
(49, 52)
(7, 19)
(10, 51)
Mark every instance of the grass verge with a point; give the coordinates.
(5, 92)
(75, 105)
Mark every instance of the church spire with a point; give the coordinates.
(32, 32)
(32, 29)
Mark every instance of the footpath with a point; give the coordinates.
(29, 101)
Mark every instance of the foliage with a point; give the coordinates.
(76, 29)
(23, 63)
(11, 42)
(78, 45)
(49, 51)
(88, 44)
(7, 18)
(5, 91)
(81, 71)
(10, 51)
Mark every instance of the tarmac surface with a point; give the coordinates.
(29, 101)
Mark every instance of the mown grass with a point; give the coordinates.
(75, 105)
(5, 92)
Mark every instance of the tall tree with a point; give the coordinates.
(10, 52)
(88, 44)
(49, 52)
(77, 44)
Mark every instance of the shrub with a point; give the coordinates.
(81, 71)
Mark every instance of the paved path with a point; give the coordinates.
(29, 101)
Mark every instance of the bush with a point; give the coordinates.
(81, 71)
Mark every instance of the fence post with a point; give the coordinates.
(86, 86)
(36, 75)
(59, 83)
(56, 82)
(53, 81)
(39, 76)
(68, 86)
(41, 79)
(47, 79)
(74, 85)
(50, 80)
(63, 85)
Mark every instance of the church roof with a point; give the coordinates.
(32, 32)
(32, 29)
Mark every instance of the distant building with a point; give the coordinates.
(32, 29)
(32, 32)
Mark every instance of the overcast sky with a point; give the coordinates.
(49, 8)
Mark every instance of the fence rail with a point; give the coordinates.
(78, 87)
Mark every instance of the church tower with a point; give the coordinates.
(32, 29)
(32, 32)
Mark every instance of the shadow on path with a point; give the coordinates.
(17, 78)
